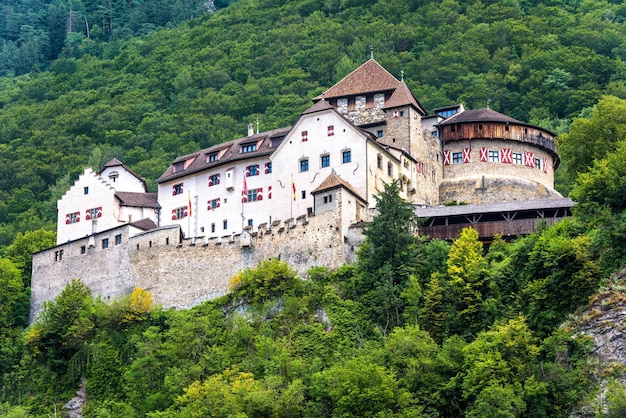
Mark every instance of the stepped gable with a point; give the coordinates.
(333, 181)
(402, 96)
(370, 77)
(138, 200)
(228, 152)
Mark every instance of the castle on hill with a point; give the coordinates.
(298, 192)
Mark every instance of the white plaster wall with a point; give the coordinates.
(286, 161)
(229, 191)
(125, 182)
(100, 194)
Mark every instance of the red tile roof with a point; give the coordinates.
(368, 78)
(138, 200)
(263, 141)
(334, 181)
(402, 96)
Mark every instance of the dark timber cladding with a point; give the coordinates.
(509, 219)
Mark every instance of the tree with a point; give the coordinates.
(466, 275)
(594, 139)
(11, 288)
(387, 257)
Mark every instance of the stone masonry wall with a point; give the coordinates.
(181, 275)
(105, 270)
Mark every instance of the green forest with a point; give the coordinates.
(413, 328)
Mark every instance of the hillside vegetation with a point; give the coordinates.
(414, 327)
(149, 99)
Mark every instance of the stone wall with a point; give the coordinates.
(493, 189)
(181, 274)
(105, 270)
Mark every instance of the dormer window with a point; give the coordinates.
(179, 166)
(248, 148)
(212, 157)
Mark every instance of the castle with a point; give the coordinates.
(298, 192)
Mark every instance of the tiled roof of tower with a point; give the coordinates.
(228, 152)
(480, 115)
(368, 78)
(402, 96)
(334, 181)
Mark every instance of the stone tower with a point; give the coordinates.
(491, 158)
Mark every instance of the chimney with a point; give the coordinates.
(250, 129)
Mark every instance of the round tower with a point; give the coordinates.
(490, 158)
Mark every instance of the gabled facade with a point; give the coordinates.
(103, 200)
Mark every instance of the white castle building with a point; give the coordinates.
(366, 130)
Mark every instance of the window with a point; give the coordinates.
(179, 213)
(113, 176)
(248, 148)
(379, 161)
(177, 189)
(254, 195)
(331, 130)
(225, 223)
(93, 213)
(328, 199)
(389, 169)
(212, 157)
(457, 157)
(268, 168)
(379, 134)
(517, 158)
(303, 194)
(346, 156)
(325, 161)
(72, 218)
(452, 128)
(85, 190)
(538, 163)
(105, 243)
(213, 228)
(401, 113)
(494, 156)
(305, 136)
(179, 166)
(480, 127)
(304, 165)
(213, 204)
(83, 249)
(506, 128)
(252, 170)
(214, 180)
(118, 239)
(250, 222)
